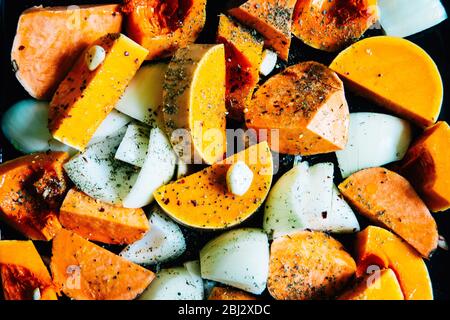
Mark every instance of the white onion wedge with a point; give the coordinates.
(239, 258)
(113, 122)
(133, 148)
(403, 18)
(163, 242)
(268, 63)
(158, 169)
(374, 140)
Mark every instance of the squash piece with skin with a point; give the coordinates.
(272, 19)
(100, 221)
(49, 40)
(202, 200)
(72, 118)
(306, 105)
(228, 293)
(308, 265)
(194, 103)
(427, 166)
(388, 199)
(85, 271)
(31, 192)
(164, 26)
(378, 247)
(332, 25)
(410, 86)
(243, 51)
(22, 272)
(380, 286)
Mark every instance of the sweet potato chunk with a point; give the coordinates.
(378, 247)
(332, 25)
(227, 293)
(99, 221)
(49, 40)
(308, 265)
(271, 18)
(22, 272)
(305, 104)
(31, 192)
(427, 166)
(389, 200)
(85, 271)
(382, 286)
(162, 27)
(243, 53)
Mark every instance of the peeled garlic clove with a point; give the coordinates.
(268, 62)
(239, 178)
(95, 57)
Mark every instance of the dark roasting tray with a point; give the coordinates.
(435, 41)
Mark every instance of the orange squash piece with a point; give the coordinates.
(243, 54)
(332, 25)
(85, 97)
(305, 104)
(164, 26)
(99, 221)
(272, 19)
(49, 40)
(85, 271)
(308, 265)
(381, 286)
(427, 166)
(396, 74)
(31, 192)
(378, 247)
(227, 293)
(22, 272)
(202, 200)
(390, 201)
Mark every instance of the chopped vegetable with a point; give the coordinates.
(374, 140)
(164, 241)
(410, 86)
(239, 258)
(308, 265)
(427, 166)
(31, 191)
(227, 293)
(378, 247)
(164, 26)
(49, 40)
(134, 146)
(269, 61)
(72, 119)
(113, 122)
(306, 106)
(99, 221)
(85, 271)
(239, 178)
(388, 199)
(202, 200)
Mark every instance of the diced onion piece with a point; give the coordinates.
(239, 178)
(268, 63)
(133, 148)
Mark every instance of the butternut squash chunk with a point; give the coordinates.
(100, 221)
(390, 201)
(194, 103)
(427, 166)
(382, 286)
(396, 74)
(243, 53)
(49, 40)
(202, 200)
(22, 272)
(378, 247)
(332, 25)
(308, 265)
(85, 271)
(227, 293)
(306, 105)
(164, 26)
(31, 192)
(272, 19)
(85, 97)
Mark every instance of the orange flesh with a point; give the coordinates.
(222, 293)
(31, 192)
